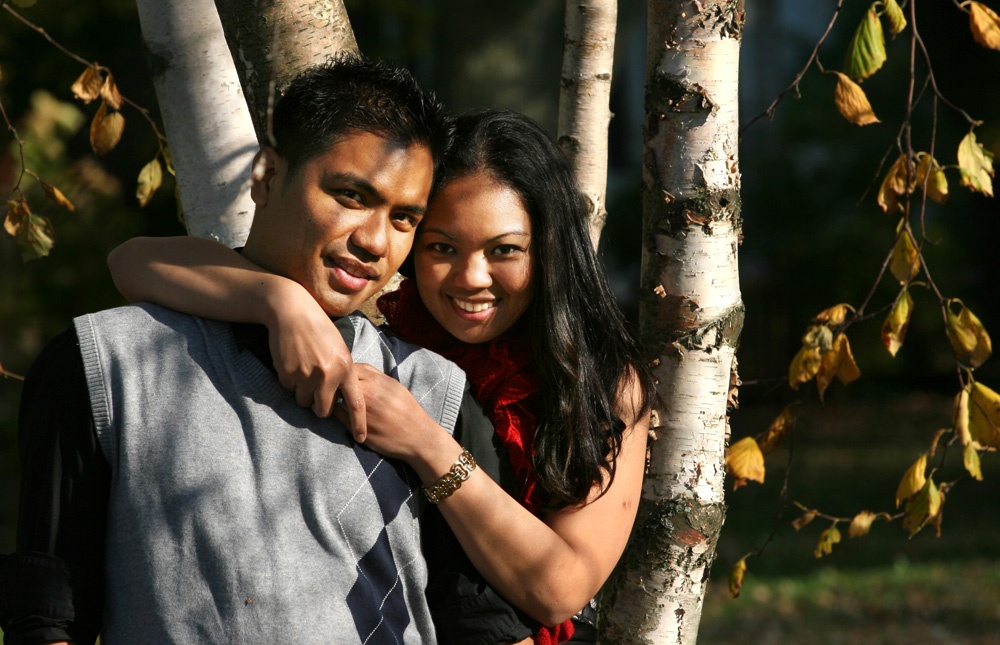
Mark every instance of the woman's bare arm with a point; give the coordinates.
(208, 279)
(550, 569)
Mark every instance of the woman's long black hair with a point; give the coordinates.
(585, 356)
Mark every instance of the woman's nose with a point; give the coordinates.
(474, 273)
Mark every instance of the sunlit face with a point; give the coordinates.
(473, 258)
(341, 223)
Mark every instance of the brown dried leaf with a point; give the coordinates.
(110, 94)
(894, 186)
(819, 336)
(897, 322)
(984, 416)
(736, 577)
(985, 25)
(745, 460)
(33, 233)
(777, 431)
(838, 362)
(804, 519)
(970, 459)
(57, 196)
(88, 86)
(106, 129)
(804, 366)
(829, 537)
(852, 103)
(861, 524)
(913, 480)
(150, 178)
(833, 316)
(935, 439)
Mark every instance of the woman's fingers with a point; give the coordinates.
(352, 400)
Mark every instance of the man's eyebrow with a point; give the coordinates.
(365, 186)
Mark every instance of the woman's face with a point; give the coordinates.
(473, 258)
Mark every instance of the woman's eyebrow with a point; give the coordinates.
(443, 233)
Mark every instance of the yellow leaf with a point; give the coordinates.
(88, 86)
(897, 21)
(937, 183)
(984, 416)
(913, 480)
(745, 460)
(736, 577)
(852, 103)
(861, 524)
(57, 196)
(967, 335)
(106, 129)
(985, 25)
(802, 521)
(150, 178)
(866, 53)
(827, 539)
(894, 185)
(924, 507)
(976, 164)
(905, 262)
(804, 366)
(961, 416)
(970, 459)
(110, 94)
(839, 362)
(896, 323)
(833, 316)
(780, 427)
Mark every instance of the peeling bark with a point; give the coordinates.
(584, 99)
(275, 40)
(691, 315)
(205, 117)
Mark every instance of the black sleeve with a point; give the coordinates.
(53, 585)
(465, 609)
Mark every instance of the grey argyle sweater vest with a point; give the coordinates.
(235, 516)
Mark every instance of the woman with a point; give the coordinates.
(507, 285)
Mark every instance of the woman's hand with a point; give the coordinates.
(397, 426)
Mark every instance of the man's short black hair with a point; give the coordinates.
(353, 93)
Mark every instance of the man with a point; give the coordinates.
(164, 464)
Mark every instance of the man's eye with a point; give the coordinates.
(350, 195)
(407, 218)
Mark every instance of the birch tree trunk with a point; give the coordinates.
(208, 126)
(584, 98)
(691, 315)
(272, 41)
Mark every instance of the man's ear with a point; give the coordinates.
(264, 174)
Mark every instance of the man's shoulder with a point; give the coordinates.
(139, 319)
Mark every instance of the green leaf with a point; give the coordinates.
(897, 21)
(866, 53)
(976, 164)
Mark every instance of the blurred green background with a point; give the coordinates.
(808, 244)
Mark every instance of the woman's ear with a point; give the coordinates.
(264, 175)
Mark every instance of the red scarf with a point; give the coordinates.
(504, 382)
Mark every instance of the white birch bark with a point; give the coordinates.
(691, 315)
(207, 123)
(584, 98)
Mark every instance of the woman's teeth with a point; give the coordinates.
(474, 307)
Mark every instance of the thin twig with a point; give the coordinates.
(769, 112)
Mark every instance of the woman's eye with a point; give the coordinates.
(440, 247)
(506, 249)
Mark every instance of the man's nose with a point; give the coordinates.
(370, 240)
(473, 272)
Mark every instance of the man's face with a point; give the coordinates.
(342, 223)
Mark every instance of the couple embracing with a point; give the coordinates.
(251, 461)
